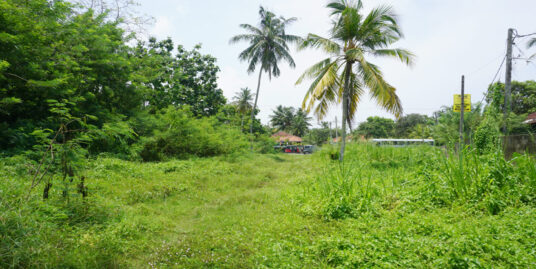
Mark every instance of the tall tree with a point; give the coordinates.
(282, 118)
(405, 125)
(181, 78)
(347, 73)
(267, 47)
(50, 54)
(377, 127)
(243, 102)
(289, 119)
(523, 99)
(300, 123)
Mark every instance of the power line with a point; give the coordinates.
(495, 77)
(485, 65)
(518, 35)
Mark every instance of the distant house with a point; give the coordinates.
(531, 119)
(286, 138)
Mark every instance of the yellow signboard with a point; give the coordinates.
(458, 103)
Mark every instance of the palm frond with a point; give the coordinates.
(380, 90)
(324, 89)
(315, 41)
(403, 55)
(240, 38)
(252, 29)
(283, 54)
(314, 70)
(355, 94)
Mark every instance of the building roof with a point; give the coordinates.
(282, 136)
(531, 119)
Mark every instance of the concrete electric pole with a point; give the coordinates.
(508, 78)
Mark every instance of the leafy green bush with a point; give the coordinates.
(114, 137)
(264, 144)
(486, 138)
(179, 135)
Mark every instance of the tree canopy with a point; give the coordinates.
(55, 54)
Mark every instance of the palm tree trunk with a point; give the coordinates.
(254, 107)
(345, 108)
(242, 123)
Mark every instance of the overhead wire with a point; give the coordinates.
(517, 35)
(495, 77)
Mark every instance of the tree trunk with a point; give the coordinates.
(254, 107)
(345, 108)
(242, 123)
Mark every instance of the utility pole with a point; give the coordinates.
(508, 78)
(462, 142)
(336, 128)
(330, 136)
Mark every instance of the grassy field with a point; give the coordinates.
(386, 207)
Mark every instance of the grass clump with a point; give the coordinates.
(486, 181)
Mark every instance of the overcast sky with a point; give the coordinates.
(450, 38)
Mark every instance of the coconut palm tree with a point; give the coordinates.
(347, 73)
(243, 102)
(267, 47)
(300, 123)
(282, 118)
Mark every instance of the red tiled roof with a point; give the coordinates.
(282, 136)
(531, 119)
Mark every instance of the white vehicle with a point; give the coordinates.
(403, 142)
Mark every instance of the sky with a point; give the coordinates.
(450, 39)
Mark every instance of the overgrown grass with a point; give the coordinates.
(386, 207)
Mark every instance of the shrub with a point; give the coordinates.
(180, 135)
(486, 137)
(264, 144)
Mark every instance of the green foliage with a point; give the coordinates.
(179, 135)
(264, 144)
(488, 182)
(486, 138)
(421, 131)
(268, 45)
(407, 124)
(389, 207)
(243, 101)
(377, 127)
(76, 56)
(523, 96)
(114, 137)
(288, 119)
(347, 73)
(319, 136)
(57, 54)
(446, 131)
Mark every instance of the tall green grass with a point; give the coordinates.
(487, 181)
(372, 177)
(361, 185)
